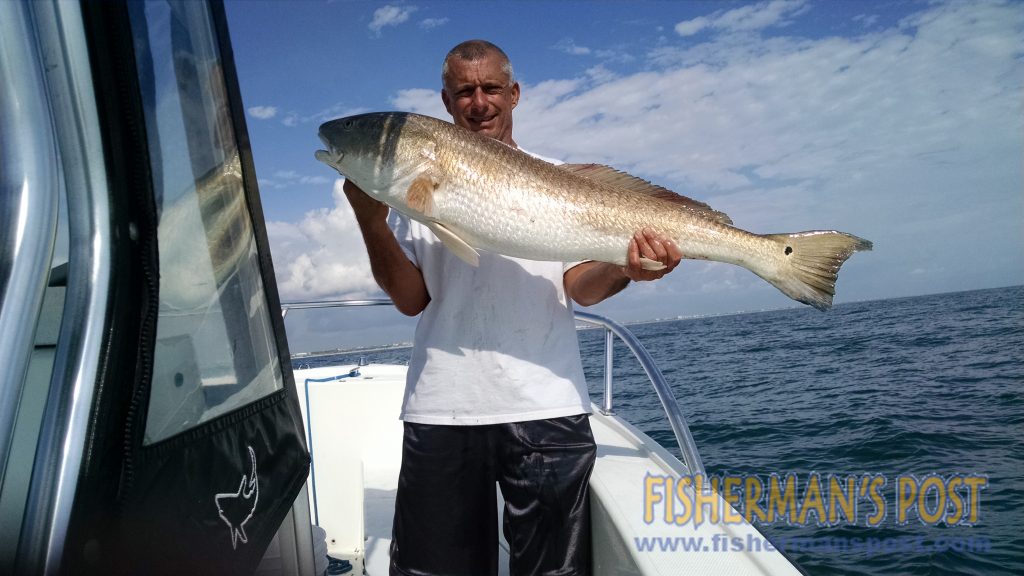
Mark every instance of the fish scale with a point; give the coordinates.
(476, 193)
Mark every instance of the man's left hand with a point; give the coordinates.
(653, 246)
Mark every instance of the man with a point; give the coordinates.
(495, 390)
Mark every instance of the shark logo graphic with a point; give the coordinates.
(236, 508)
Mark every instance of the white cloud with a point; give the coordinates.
(909, 136)
(569, 46)
(431, 23)
(601, 74)
(537, 99)
(618, 54)
(691, 27)
(337, 110)
(323, 255)
(421, 101)
(294, 177)
(288, 179)
(866, 20)
(787, 111)
(744, 19)
(262, 112)
(390, 16)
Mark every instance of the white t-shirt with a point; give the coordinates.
(496, 344)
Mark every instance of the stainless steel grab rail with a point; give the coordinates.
(29, 197)
(61, 444)
(306, 305)
(687, 447)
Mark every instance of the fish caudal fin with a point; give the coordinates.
(810, 264)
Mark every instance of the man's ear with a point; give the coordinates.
(447, 101)
(515, 94)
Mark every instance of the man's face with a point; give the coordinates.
(477, 95)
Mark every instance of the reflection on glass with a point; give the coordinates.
(215, 348)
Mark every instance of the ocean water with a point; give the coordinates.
(929, 386)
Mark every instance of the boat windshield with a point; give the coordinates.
(215, 349)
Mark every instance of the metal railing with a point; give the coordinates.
(305, 305)
(687, 447)
(78, 166)
(29, 197)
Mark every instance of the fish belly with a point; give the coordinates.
(527, 225)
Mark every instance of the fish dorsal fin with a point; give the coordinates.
(623, 181)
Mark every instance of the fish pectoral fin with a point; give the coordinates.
(457, 245)
(648, 264)
(420, 195)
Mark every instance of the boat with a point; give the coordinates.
(150, 417)
(352, 428)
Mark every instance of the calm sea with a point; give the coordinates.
(911, 387)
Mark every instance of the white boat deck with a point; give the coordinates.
(625, 458)
(356, 447)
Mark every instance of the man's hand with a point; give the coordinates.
(651, 245)
(591, 282)
(392, 270)
(366, 209)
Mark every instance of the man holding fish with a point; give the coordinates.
(495, 390)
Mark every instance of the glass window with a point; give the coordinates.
(215, 348)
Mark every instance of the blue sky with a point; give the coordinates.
(900, 122)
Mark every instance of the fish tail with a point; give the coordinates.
(809, 264)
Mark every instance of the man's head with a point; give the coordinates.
(479, 89)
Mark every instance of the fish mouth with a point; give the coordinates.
(332, 158)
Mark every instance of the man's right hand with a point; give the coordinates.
(366, 209)
(392, 270)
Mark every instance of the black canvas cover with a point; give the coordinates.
(209, 501)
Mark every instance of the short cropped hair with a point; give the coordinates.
(474, 50)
